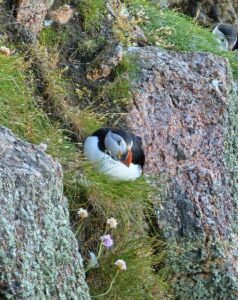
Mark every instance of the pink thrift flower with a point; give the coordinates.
(107, 241)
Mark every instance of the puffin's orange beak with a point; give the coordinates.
(128, 160)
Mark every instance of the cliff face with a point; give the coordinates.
(184, 109)
(38, 256)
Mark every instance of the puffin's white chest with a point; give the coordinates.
(107, 165)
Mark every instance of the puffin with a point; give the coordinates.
(115, 153)
(227, 35)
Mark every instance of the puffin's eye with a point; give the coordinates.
(119, 142)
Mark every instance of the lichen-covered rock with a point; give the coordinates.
(39, 258)
(185, 110)
(31, 13)
(105, 62)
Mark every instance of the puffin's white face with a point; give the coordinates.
(115, 145)
(222, 40)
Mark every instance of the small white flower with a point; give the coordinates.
(43, 147)
(5, 51)
(48, 23)
(82, 213)
(121, 264)
(112, 223)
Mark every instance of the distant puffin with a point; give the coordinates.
(116, 153)
(227, 35)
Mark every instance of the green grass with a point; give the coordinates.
(89, 45)
(128, 202)
(92, 12)
(117, 197)
(119, 90)
(173, 30)
(139, 281)
(58, 90)
(53, 37)
(177, 30)
(19, 110)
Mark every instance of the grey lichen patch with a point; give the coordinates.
(200, 270)
(38, 254)
(232, 142)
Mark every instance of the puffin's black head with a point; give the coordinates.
(118, 144)
(229, 33)
(121, 145)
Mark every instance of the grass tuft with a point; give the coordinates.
(128, 202)
(58, 91)
(92, 12)
(119, 90)
(52, 37)
(119, 198)
(139, 281)
(89, 45)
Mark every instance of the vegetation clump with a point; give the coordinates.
(92, 13)
(119, 90)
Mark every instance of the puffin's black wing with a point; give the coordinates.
(138, 156)
(101, 133)
(230, 33)
(228, 30)
(236, 45)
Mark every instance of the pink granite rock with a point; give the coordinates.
(31, 13)
(182, 112)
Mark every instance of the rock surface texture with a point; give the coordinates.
(185, 111)
(38, 251)
(207, 11)
(31, 13)
(104, 63)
